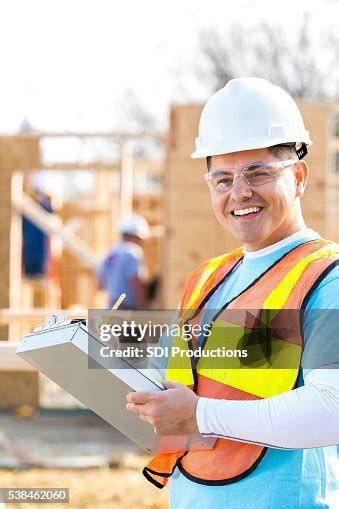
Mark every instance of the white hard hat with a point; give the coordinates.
(135, 225)
(250, 113)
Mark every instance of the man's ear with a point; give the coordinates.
(301, 176)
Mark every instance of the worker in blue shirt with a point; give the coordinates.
(124, 268)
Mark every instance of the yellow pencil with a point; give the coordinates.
(115, 306)
(119, 301)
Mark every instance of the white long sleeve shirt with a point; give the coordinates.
(292, 420)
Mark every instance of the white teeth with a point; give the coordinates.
(243, 212)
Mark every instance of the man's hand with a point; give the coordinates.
(170, 412)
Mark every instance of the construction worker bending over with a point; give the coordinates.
(276, 428)
(124, 268)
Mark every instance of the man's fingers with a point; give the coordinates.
(144, 418)
(139, 398)
(136, 409)
(170, 385)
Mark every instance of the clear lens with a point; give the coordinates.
(255, 174)
(222, 183)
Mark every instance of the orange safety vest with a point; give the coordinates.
(286, 285)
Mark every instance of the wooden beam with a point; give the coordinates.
(126, 179)
(9, 361)
(119, 136)
(52, 224)
(36, 316)
(78, 165)
(19, 388)
(16, 242)
(5, 246)
(19, 153)
(150, 166)
(15, 263)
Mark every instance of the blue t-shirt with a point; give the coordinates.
(300, 478)
(124, 261)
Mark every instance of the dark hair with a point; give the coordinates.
(284, 150)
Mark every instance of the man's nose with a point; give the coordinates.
(241, 189)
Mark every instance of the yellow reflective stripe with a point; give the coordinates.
(260, 382)
(211, 267)
(179, 368)
(261, 379)
(278, 297)
(183, 376)
(263, 383)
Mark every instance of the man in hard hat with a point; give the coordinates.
(276, 428)
(124, 268)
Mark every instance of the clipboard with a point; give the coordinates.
(61, 350)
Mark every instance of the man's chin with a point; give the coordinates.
(242, 236)
(245, 239)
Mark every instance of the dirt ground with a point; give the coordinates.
(79, 451)
(99, 488)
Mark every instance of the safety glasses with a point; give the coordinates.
(255, 174)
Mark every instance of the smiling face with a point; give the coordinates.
(278, 213)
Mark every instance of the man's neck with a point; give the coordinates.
(277, 237)
(304, 233)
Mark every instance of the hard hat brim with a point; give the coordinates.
(230, 146)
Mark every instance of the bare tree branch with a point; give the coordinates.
(304, 64)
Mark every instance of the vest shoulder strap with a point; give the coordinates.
(209, 273)
(204, 276)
